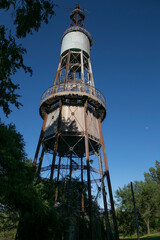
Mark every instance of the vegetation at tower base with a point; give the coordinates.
(147, 197)
(21, 199)
(30, 204)
(69, 201)
(27, 16)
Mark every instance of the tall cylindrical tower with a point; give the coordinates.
(71, 135)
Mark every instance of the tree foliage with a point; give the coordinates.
(40, 213)
(154, 174)
(28, 15)
(21, 194)
(16, 172)
(8, 223)
(11, 60)
(147, 196)
(41, 208)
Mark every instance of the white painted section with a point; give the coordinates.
(92, 125)
(51, 124)
(72, 119)
(75, 40)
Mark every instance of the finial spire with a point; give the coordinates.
(77, 16)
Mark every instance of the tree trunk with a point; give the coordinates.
(148, 225)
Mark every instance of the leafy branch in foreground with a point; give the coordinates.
(11, 59)
(30, 14)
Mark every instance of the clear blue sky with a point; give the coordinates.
(126, 67)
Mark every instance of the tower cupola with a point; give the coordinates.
(76, 36)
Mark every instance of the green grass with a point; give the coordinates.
(8, 235)
(154, 236)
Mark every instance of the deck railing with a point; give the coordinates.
(75, 88)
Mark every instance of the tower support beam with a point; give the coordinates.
(56, 141)
(108, 181)
(88, 170)
(82, 182)
(58, 169)
(40, 140)
(108, 227)
(54, 157)
(40, 163)
(57, 73)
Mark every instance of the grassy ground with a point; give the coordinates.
(8, 235)
(154, 236)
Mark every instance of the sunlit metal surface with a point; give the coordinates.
(80, 29)
(75, 40)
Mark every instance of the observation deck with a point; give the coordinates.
(73, 90)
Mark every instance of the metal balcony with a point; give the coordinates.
(74, 88)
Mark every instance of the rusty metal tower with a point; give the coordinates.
(73, 110)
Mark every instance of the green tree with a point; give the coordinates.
(126, 224)
(39, 218)
(153, 178)
(27, 17)
(8, 223)
(153, 174)
(125, 215)
(11, 59)
(16, 171)
(146, 204)
(146, 199)
(22, 198)
(15, 174)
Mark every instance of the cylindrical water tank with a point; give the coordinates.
(75, 40)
